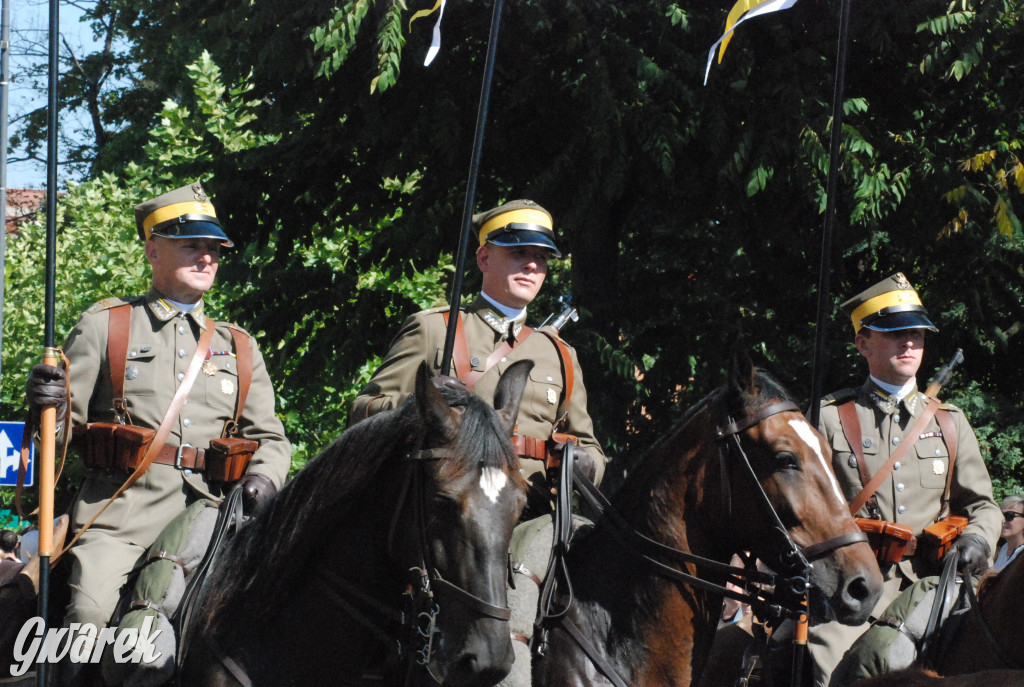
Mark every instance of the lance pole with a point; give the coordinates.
(48, 417)
(474, 172)
(825, 270)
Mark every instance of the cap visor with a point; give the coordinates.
(526, 238)
(195, 230)
(902, 320)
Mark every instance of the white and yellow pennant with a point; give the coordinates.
(747, 9)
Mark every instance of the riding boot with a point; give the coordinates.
(156, 595)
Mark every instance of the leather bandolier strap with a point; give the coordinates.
(530, 447)
(910, 437)
(852, 431)
(460, 355)
(243, 363)
(117, 356)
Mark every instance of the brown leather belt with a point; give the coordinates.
(182, 457)
(530, 447)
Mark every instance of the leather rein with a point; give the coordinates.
(787, 599)
(410, 629)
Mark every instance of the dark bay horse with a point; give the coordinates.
(744, 471)
(388, 551)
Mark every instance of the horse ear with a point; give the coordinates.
(432, 406)
(741, 373)
(509, 393)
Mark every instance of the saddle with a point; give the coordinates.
(909, 631)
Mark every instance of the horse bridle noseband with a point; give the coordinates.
(788, 598)
(413, 630)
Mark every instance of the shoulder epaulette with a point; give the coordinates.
(839, 396)
(438, 309)
(232, 325)
(112, 302)
(554, 333)
(949, 406)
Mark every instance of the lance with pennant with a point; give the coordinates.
(474, 172)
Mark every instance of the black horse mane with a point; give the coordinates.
(273, 550)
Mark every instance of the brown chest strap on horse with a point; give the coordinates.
(852, 430)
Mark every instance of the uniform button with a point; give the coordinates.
(896, 418)
(866, 442)
(181, 376)
(182, 353)
(504, 360)
(132, 354)
(474, 361)
(227, 365)
(938, 452)
(186, 422)
(900, 487)
(181, 329)
(897, 465)
(549, 378)
(895, 441)
(901, 509)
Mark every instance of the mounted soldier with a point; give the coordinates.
(169, 407)
(516, 242)
(905, 461)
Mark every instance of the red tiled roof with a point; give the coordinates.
(22, 205)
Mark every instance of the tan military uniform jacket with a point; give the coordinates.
(422, 338)
(161, 344)
(912, 493)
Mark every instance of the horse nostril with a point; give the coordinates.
(858, 590)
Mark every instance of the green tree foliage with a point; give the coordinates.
(692, 213)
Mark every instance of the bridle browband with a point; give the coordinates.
(788, 595)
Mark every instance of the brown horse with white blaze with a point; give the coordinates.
(743, 471)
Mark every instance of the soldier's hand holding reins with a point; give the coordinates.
(256, 489)
(972, 554)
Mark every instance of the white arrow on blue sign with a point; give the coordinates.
(10, 454)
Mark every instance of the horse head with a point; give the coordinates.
(809, 521)
(463, 495)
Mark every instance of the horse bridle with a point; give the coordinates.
(796, 558)
(788, 598)
(412, 630)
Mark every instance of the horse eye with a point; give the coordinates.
(786, 460)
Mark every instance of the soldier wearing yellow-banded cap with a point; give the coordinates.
(516, 241)
(158, 336)
(866, 425)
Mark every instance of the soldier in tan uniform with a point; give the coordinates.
(516, 242)
(890, 322)
(183, 241)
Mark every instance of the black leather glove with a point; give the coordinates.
(46, 388)
(256, 489)
(586, 462)
(971, 552)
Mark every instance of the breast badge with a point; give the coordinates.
(552, 396)
(208, 368)
(938, 467)
(131, 373)
(227, 387)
